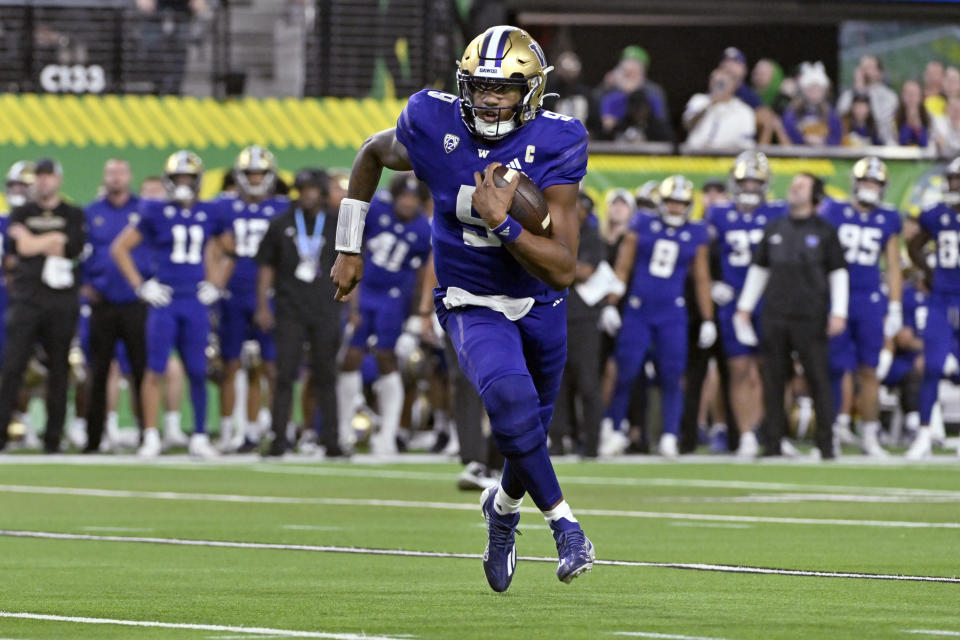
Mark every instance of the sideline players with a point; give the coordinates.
(867, 230)
(501, 288)
(941, 358)
(249, 216)
(738, 229)
(657, 253)
(397, 242)
(178, 230)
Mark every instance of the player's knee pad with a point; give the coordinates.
(514, 409)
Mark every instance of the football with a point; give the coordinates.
(529, 207)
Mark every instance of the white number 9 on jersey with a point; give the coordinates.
(476, 233)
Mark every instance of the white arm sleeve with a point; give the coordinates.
(753, 288)
(839, 292)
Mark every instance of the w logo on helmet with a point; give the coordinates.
(537, 51)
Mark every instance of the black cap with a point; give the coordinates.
(48, 165)
(714, 185)
(312, 178)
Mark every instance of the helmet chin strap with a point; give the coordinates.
(183, 193)
(951, 198)
(16, 200)
(493, 130)
(672, 220)
(748, 200)
(867, 196)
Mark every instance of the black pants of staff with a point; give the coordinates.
(781, 337)
(698, 361)
(52, 328)
(110, 323)
(580, 380)
(467, 411)
(323, 336)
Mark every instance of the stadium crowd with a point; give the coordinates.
(659, 300)
(741, 107)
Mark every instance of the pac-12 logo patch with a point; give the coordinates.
(450, 142)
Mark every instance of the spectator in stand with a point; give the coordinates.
(636, 108)
(912, 118)
(811, 120)
(951, 85)
(946, 129)
(933, 98)
(163, 40)
(765, 80)
(767, 122)
(868, 78)
(859, 126)
(719, 120)
(575, 99)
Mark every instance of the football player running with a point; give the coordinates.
(737, 228)
(867, 230)
(941, 358)
(184, 235)
(397, 252)
(657, 253)
(248, 216)
(501, 288)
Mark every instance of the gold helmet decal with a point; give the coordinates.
(749, 165)
(183, 163)
(252, 160)
(502, 57)
(873, 169)
(675, 189)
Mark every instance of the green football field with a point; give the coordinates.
(116, 548)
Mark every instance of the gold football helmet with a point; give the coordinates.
(675, 189)
(183, 163)
(951, 183)
(19, 180)
(255, 159)
(754, 166)
(502, 56)
(873, 169)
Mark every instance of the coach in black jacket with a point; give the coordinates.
(45, 238)
(294, 258)
(800, 265)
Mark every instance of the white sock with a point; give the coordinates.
(870, 429)
(912, 421)
(113, 422)
(390, 402)
(349, 386)
(504, 504)
(718, 427)
(226, 427)
(171, 421)
(562, 510)
(80, 423)
(843, 420)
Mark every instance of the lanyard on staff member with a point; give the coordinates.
(309, 246)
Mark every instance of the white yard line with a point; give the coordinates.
(270, 546)
(118, 529)
(461, 506)
(714, 525)
(664, 636)
(812, 497)
(260, 631)
(934, 632)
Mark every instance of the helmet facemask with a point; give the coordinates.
(182, 192)
(261, 190)
(520, 113)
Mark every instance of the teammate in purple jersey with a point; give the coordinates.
(941, 344)
(501, 289)
(397, 239)
(737, 228)
(867, 231)
(655, 256)
(248, 216)
(906, 366)
(187, 238)
(18, 181)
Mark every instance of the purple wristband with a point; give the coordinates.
(508, 231)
